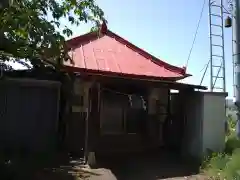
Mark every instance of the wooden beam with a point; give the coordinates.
(122, 81)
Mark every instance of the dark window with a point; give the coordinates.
(136, 115)
(133, 121)
(111, 114)
(122, 113)
(111, 119)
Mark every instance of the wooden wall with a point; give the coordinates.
(87, 101)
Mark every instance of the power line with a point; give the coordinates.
(196, 32)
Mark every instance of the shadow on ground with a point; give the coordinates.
(44, 167)
(141, 166)
(152, 166)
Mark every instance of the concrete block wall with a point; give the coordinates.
(204, 129)
(214, 116)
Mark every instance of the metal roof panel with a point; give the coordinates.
(111, 53)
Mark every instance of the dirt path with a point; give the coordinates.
(145, 167)
(140, 167)
(106, 174)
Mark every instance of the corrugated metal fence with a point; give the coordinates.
(28, 114)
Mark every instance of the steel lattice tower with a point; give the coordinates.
(217, 51)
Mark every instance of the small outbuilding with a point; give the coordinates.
(123, 101)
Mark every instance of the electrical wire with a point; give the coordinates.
(196, 32)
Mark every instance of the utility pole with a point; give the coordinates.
(236, 57)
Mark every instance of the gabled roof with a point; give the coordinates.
(109, 54)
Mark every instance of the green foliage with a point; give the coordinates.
(29, 29)
(232, 143)
(232, 123)
(95, 28)
(232, 168)
(225, 165)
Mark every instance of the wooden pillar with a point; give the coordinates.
(93, 122)
(78, 123)
(86, 109)
(151, 122)
(94, 116)
(158, 111)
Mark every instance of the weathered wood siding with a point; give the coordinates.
(152, 138)
(29, 111)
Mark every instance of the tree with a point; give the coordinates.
(29, 29)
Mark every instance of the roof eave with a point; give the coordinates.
(114, 74)
(170, 82)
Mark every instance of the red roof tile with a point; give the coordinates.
(109, 53)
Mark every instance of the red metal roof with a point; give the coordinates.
(111, 54)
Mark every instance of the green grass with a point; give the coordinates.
(226, 165)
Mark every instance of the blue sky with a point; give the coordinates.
(165, 29)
